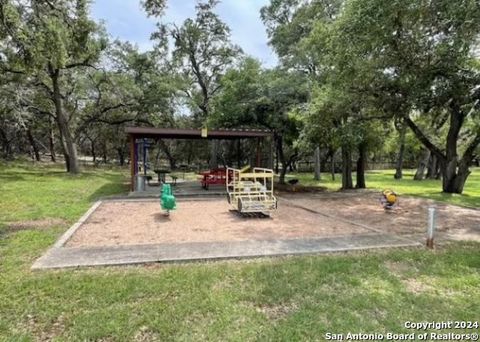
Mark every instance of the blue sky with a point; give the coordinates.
(125, 19)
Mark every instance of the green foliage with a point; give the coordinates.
(289, 24)
(202, 53)
(272, 99)
(390, 145)
(412, 60)
(44, 35)
(241, 89)
(154, 7)
(421, 56)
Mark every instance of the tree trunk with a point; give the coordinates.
(51, 143)
(6, 145)
(454, 179)
(92, 151)
(422, 164)
(454, 171)
(104, 153)
(281, 157)
(121, 156)
(65, 152)
(277, 161)
(332, 165)
(190, 153)
(283, 173)
(172, 162)
(433, 168)
(213, 162)
(361, 164)
(34, 145)
(166, 149)
(71, 159)
(316, 156)
(239, 153)
(347, 182)
(401, 152)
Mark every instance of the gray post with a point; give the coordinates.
(431, 227)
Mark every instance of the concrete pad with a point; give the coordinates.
(60, 257)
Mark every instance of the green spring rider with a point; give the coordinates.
(167, 200)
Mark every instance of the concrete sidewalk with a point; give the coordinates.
(59, 256)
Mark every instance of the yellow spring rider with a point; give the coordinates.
(251, 191)
(389, 199)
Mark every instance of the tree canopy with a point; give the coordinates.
(357, 81)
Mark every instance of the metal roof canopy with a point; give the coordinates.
(135, 133)
(181, 133)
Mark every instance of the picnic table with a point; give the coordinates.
(161, 173)
(211, 177)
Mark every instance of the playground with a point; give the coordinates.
(130, 231)
(299, 216)
(243, 290)
(129, 223)
(231, 213)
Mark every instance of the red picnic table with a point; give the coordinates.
(213, 177)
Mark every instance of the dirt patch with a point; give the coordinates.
(275, 312)
(403, 272)
(36, 224)
(397, 268)
(409, 217)
(43, 334)
(415, 286)
(145, 335)
(130, 223)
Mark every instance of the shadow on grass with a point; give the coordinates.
(109, 189)
(3, 233)
(463, 200)
(10, 177)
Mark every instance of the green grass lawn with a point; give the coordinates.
(280, 299)
(46, 191)
(406, 186)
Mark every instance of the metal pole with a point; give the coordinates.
(431, 227)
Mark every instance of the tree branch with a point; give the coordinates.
(12, 71)
(470, 151)
(85, 63)
(424, 139)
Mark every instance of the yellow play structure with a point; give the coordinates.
(251, 191)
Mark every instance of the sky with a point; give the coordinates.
(126, 20)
